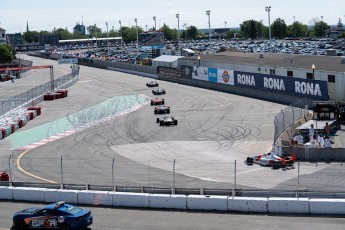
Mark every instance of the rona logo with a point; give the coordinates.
(308, 88)
(245, 79)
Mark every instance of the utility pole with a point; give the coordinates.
(107, 38)
(154, 19)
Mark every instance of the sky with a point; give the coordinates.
(47, 14)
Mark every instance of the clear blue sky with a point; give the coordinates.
(47, 14)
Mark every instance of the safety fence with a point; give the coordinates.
(284, 121)
(194, 176)
(35, 95)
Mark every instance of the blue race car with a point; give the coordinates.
(53, 216)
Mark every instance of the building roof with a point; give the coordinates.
(294, 61)
(167, 58)
(1, 29)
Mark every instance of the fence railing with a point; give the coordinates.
(170, 175)
(286, 118)
(35, 95)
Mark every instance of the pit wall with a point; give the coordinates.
(179, 202)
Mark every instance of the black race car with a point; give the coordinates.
(53, 216)
(152, 84)
(163, 109)
(157, 101)
(158, 91)
(166, 121)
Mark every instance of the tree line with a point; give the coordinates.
(248, 29)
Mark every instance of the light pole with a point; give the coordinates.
(313, 68)
(268, 9)
(120, 31)
(225, 22)
(184, 28)
(322, 26)
(154, 19)
(294, 24)
(107, 38)
(136, 26)
(178, 30)
(199, 59)
(208, 13)
(146, 27)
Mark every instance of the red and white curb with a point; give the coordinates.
(81, 128)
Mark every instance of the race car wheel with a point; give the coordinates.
(153, 92)
(162, 101)
(168, 110)
(147, 84)
(157, 120)
(276, 165)
(155, 111)
(65, 227)
(151, 102)
(175, 122)
(20, 224)
(250, 160)
(161, 123)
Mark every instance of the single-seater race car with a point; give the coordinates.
(166, 121)
(158, 91)
(157, 101)
(152, 84)
(272, 160)
(163, 109)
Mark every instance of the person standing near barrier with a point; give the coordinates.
(320, 140)
(327, 129)
(328, 143)
(299, 138)
(311, 132)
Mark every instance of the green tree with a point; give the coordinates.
(320, 28)
(260, 29)
(297, 29)
(192, 32)
(64, 34)
(279, 28)
(6, 54)
(31, 36)
(94, 31)
(169, 34)
(248, 29)
(340, 24)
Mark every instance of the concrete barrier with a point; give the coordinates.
(6, 193)
(327, 206)
(288, 205)
(122, 199)
(55, 195)
(247, 204)
(95, 198)
(29, 194)
(168, 201)
(210, 203)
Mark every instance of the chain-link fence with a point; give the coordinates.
(285, 120)
(35, 95)
(172, 174)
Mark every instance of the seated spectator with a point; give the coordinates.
(328, 143)
(299, 138)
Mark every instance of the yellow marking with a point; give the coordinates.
(27, 173)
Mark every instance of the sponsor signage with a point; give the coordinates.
(212, 74)
(186, 71)
(288, 85)
(226, 77)
(200, 73)
(68, 61)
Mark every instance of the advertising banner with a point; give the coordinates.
(289, 85)
(212, 75)
(68, 61)
(226, 77)
(186, 71)
(200, 73)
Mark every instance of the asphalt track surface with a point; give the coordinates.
(214, 130)
(140, 219)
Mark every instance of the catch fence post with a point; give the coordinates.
(298, 168)
(112, 175)
(174, 187)
(234, 190)
(61, 185)
(9, 171)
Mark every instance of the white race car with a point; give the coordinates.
(272, 160)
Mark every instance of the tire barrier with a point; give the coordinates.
(179, 202)
(61, 93)
(16, 119)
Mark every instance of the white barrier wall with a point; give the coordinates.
(6, 193)
(95, 198)
(247, 204)
(123, 199)
(28, 194)
(55, 195)
(210, 203)
(168, 201)
(288, 205)
(327, 206)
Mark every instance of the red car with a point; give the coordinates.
(4, 176)
(162, 109)
(157, 101)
